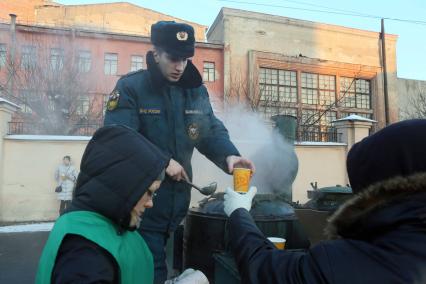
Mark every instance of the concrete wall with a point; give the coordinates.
(243, 31)
(408, 95)
(324, 163)
(27, 191)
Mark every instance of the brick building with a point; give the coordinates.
(119, 17)
(316, 72)
(98, 59)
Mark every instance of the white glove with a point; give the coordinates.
(189, 276)
(235, 200)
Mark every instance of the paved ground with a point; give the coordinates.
(19, 255)
(20, 250)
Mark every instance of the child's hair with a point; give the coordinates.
(67, 157)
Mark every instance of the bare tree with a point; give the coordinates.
(257, 97)
(238, 90)
(324, 106)
(254, 95)
(49, 84)
(415, 106)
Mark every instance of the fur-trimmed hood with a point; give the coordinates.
(380, 208)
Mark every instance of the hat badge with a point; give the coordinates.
(182, 36)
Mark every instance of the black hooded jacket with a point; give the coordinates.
(397, 150)
(378, 236)
(117, 168)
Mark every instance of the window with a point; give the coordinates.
(362, 89)
(315, 104)
(209, 72)
(267, 112)
(355, 93)
(136, 63)
(318, 89)
(83, 104)
(84, 61)
(309, 88)
(278, 92)
(28, 57)
(56, 59)
(328, 117)
(310, 117)
(327, 90)
(2, 55)
(278, 86)
(111, 62)
(50, 105)
(28, 98)
(317, 118)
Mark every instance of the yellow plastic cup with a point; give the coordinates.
(278, 242)
(241, 179)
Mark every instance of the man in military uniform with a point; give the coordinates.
(169, 105)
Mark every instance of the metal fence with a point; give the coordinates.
(318, 135)
(87, 129)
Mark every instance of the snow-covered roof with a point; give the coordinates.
(354, 117)
(8, 102)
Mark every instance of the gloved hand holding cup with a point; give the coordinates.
(235, 200)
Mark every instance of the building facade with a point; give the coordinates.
(119, 17)
(84, 65)
(316, 72)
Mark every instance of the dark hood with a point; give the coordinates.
(397, 150)
(385, 207)
(117, 167)
(190, 79)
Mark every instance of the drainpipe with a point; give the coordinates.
(12, 54)
(385, 74)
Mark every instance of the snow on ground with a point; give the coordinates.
(48, 137)
(37, 227)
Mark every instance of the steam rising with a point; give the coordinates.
(275, 160)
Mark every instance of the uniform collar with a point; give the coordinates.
(190, 79)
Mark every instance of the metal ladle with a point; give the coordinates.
(206, 190)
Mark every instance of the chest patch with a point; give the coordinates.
(193, 131)
(193, 111)
(149, 111)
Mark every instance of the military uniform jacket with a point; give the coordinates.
(176, 117)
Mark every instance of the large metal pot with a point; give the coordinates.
(205, 231)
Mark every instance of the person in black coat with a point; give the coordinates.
(378, 236)
(96, 241)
